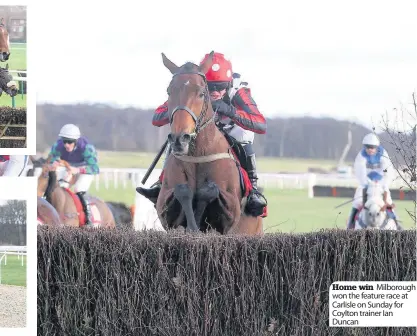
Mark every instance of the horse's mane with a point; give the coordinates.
(377, 200)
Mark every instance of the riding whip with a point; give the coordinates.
(154, 162)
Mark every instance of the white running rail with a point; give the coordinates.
(20, 251)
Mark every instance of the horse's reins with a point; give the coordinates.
(199, 125)
(49, 188)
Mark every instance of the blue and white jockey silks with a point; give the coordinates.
(373, 167)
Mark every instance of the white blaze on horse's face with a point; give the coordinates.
(373, 215)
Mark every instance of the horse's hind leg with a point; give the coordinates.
(184, 195)
(204, 196)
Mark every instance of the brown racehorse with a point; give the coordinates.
(67, 203)
(4, 42)
(47, 215)
(201, 184)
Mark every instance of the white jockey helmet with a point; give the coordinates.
(70, 131)
(371, 140)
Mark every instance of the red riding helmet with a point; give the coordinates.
(221, 69)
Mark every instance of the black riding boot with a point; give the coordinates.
(364, 196)
(256, 201)
(152, 193)
(86, 208)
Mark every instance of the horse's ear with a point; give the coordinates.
(207, 63)
(169, 64)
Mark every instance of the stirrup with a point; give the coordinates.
(157, 183)
(259, 194)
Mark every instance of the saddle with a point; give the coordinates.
(238, 150)
(95, 214)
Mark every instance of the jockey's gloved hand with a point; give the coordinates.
(221, 107)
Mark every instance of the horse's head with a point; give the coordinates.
(374, 211)
(7, 84)
(188, 103)
(51, 174)
(4, 42)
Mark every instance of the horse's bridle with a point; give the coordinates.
(199, 124)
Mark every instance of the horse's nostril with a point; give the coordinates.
(186, 137)
(170, 137)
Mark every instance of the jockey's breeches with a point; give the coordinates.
(83, 182)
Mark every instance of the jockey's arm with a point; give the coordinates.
(388, 170)
(16, 165)
(54, 154)
(359, 168)
(161, 116)
(246, 113)
(90, 158)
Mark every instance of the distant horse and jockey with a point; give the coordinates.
(372, 202)
(66, 202)
(375, 213)
(54, 185)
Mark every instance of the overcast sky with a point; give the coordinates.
(352, 60)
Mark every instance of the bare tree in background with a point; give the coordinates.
(13, 223)
(400, 132)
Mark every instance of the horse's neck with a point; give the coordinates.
(56, 195)
(374, 200)
(210, 141)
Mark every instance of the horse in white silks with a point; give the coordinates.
(374, 214)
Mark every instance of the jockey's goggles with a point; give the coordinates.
(370, 147)
(217, 86)
(68, 141)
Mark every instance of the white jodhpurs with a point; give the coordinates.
(241, 135)
(83, 182)
(358, 198)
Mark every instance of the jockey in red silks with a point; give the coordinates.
(239, 118)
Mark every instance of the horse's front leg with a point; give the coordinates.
(205, 194)
(184, 195)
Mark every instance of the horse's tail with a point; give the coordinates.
(122, 215)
